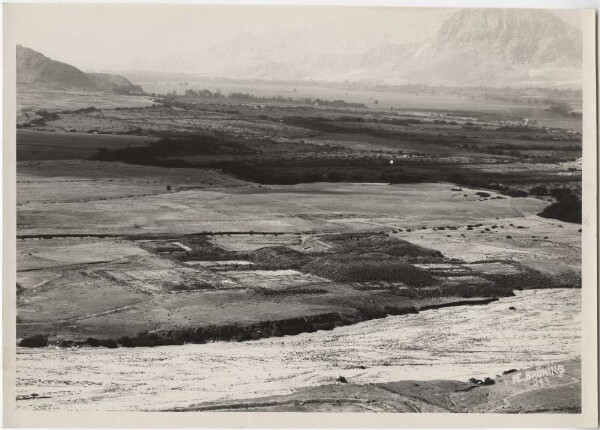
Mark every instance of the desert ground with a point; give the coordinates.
(439, 350)
(308, 240)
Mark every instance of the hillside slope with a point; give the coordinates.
(34, 68)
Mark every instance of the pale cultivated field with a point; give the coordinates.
(548, 245)
(37, 254)
(170, 119)
(72, 181)
(273, 279)
(299, 242)
(319, 207)
(61, 100)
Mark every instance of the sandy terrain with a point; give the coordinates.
(445, 344)
(552, 388)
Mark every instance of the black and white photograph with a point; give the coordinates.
(300, 208)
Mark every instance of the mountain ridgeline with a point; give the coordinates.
(35, 69)
(487, 47)
(472, 47)
(502, 46)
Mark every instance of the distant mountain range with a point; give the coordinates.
(34, 68)
(472, 47)
(503, 46)
(488, 47)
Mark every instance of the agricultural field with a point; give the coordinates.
(72, 181)
(40, 145)
(195, 264)
(281, 141)
(31, 98)
(195, 221)
(274, 209)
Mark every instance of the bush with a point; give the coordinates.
(515, 193)
(567, 208)
(365, 268)
(278, 257)
(35, 341)
(356, 243)
(560, 108)
(539, 190)
(563, 212)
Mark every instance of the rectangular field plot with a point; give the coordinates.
(177, 279)
(274, 279)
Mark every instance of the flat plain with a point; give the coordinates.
(202, 220)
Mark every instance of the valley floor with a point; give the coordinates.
(364, 233)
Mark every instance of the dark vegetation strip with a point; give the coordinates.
(567, 208)
(239, 333)
(368, 126)
(248, 163)
(142, 236)
(265, 163)
(458, 303)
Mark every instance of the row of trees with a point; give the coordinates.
(246, 97)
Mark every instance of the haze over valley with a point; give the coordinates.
(471, 47)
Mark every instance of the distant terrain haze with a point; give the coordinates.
(469, 47)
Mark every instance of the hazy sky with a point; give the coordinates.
(98, 37)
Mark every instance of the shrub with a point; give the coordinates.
(539, 190)
(278, 257)
(489, 381)
(365, 268)
(35, 341)
(515, 193)
(567, 208)
(356, 243)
